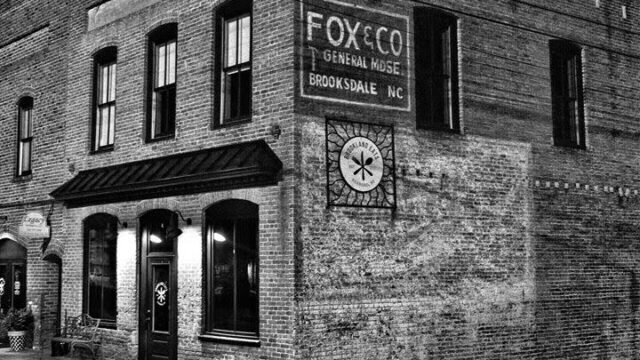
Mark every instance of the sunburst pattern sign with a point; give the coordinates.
(360, 164)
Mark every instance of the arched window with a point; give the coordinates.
(104, 99)
(25, 135)
(161, 100)
(100, 285)
(231, 243)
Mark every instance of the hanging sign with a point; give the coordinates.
(34, 226)
(354, 55)
(360, 164)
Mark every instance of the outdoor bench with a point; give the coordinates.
(80, 332)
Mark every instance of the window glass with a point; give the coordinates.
(25, 128)
(566, 90)
(233, 53)
(436, 70)
(232, 268)
(162, 102)
(100, 268)
(105, 95)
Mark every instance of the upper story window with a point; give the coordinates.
(231, 244)
(161, 109)
(100, 286)
(233, 58)
(104, 114)
(566, 94)
(436, 59)
(25, 135)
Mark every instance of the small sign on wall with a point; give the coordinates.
(34, 226)
(360, 164)
(354, 55)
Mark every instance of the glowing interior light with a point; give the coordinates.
(219, 237)
(155, 239)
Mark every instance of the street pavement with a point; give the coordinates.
(7, 354)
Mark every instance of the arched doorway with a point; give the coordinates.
(13, 275)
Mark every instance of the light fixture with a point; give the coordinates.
(155, 239)
(187, 220)
(219, 237)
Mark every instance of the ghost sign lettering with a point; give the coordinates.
(354, 55)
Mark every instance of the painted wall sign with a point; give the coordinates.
(34, 226)
(360, 164)
(354, 55)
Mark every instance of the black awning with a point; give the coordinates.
(229, 167)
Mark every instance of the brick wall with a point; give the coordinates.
(502, 245)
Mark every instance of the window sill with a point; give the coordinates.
(101, 150)
(22, 178)
(161, 138)
(440, 129)
(229, 339)
(569, 146)
(231, 123)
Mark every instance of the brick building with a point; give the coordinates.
(322, 178)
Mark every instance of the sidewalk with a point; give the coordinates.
(6, 354)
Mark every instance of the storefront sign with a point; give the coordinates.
(354, 55)
(360, 164)
(34, 226)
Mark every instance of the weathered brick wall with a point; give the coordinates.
(487, 255)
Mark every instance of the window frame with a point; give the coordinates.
(106, 57)
(429, 26)
(229, 210)
(232, 10)
(25, 105)
(86, 296)
(163, 35)
(568, 130)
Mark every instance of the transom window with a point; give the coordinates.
(100, 288)
(232, 270)
(234, 57)
(105, 99)
(436, 70)
(162, 82)
(25, 135)
(566, 93)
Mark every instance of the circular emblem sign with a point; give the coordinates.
(361, 164)
(161, 293)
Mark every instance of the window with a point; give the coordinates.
(104, 114)
(566, 94)
(436, 70)
(100, 291)
(232, 270)
(25, 135)
(162, 82)
(233, 57)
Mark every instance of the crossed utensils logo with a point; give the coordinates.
(362, 163)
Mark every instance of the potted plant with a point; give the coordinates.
(18, 323)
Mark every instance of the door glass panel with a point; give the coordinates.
(19, 289)
(161, 298)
